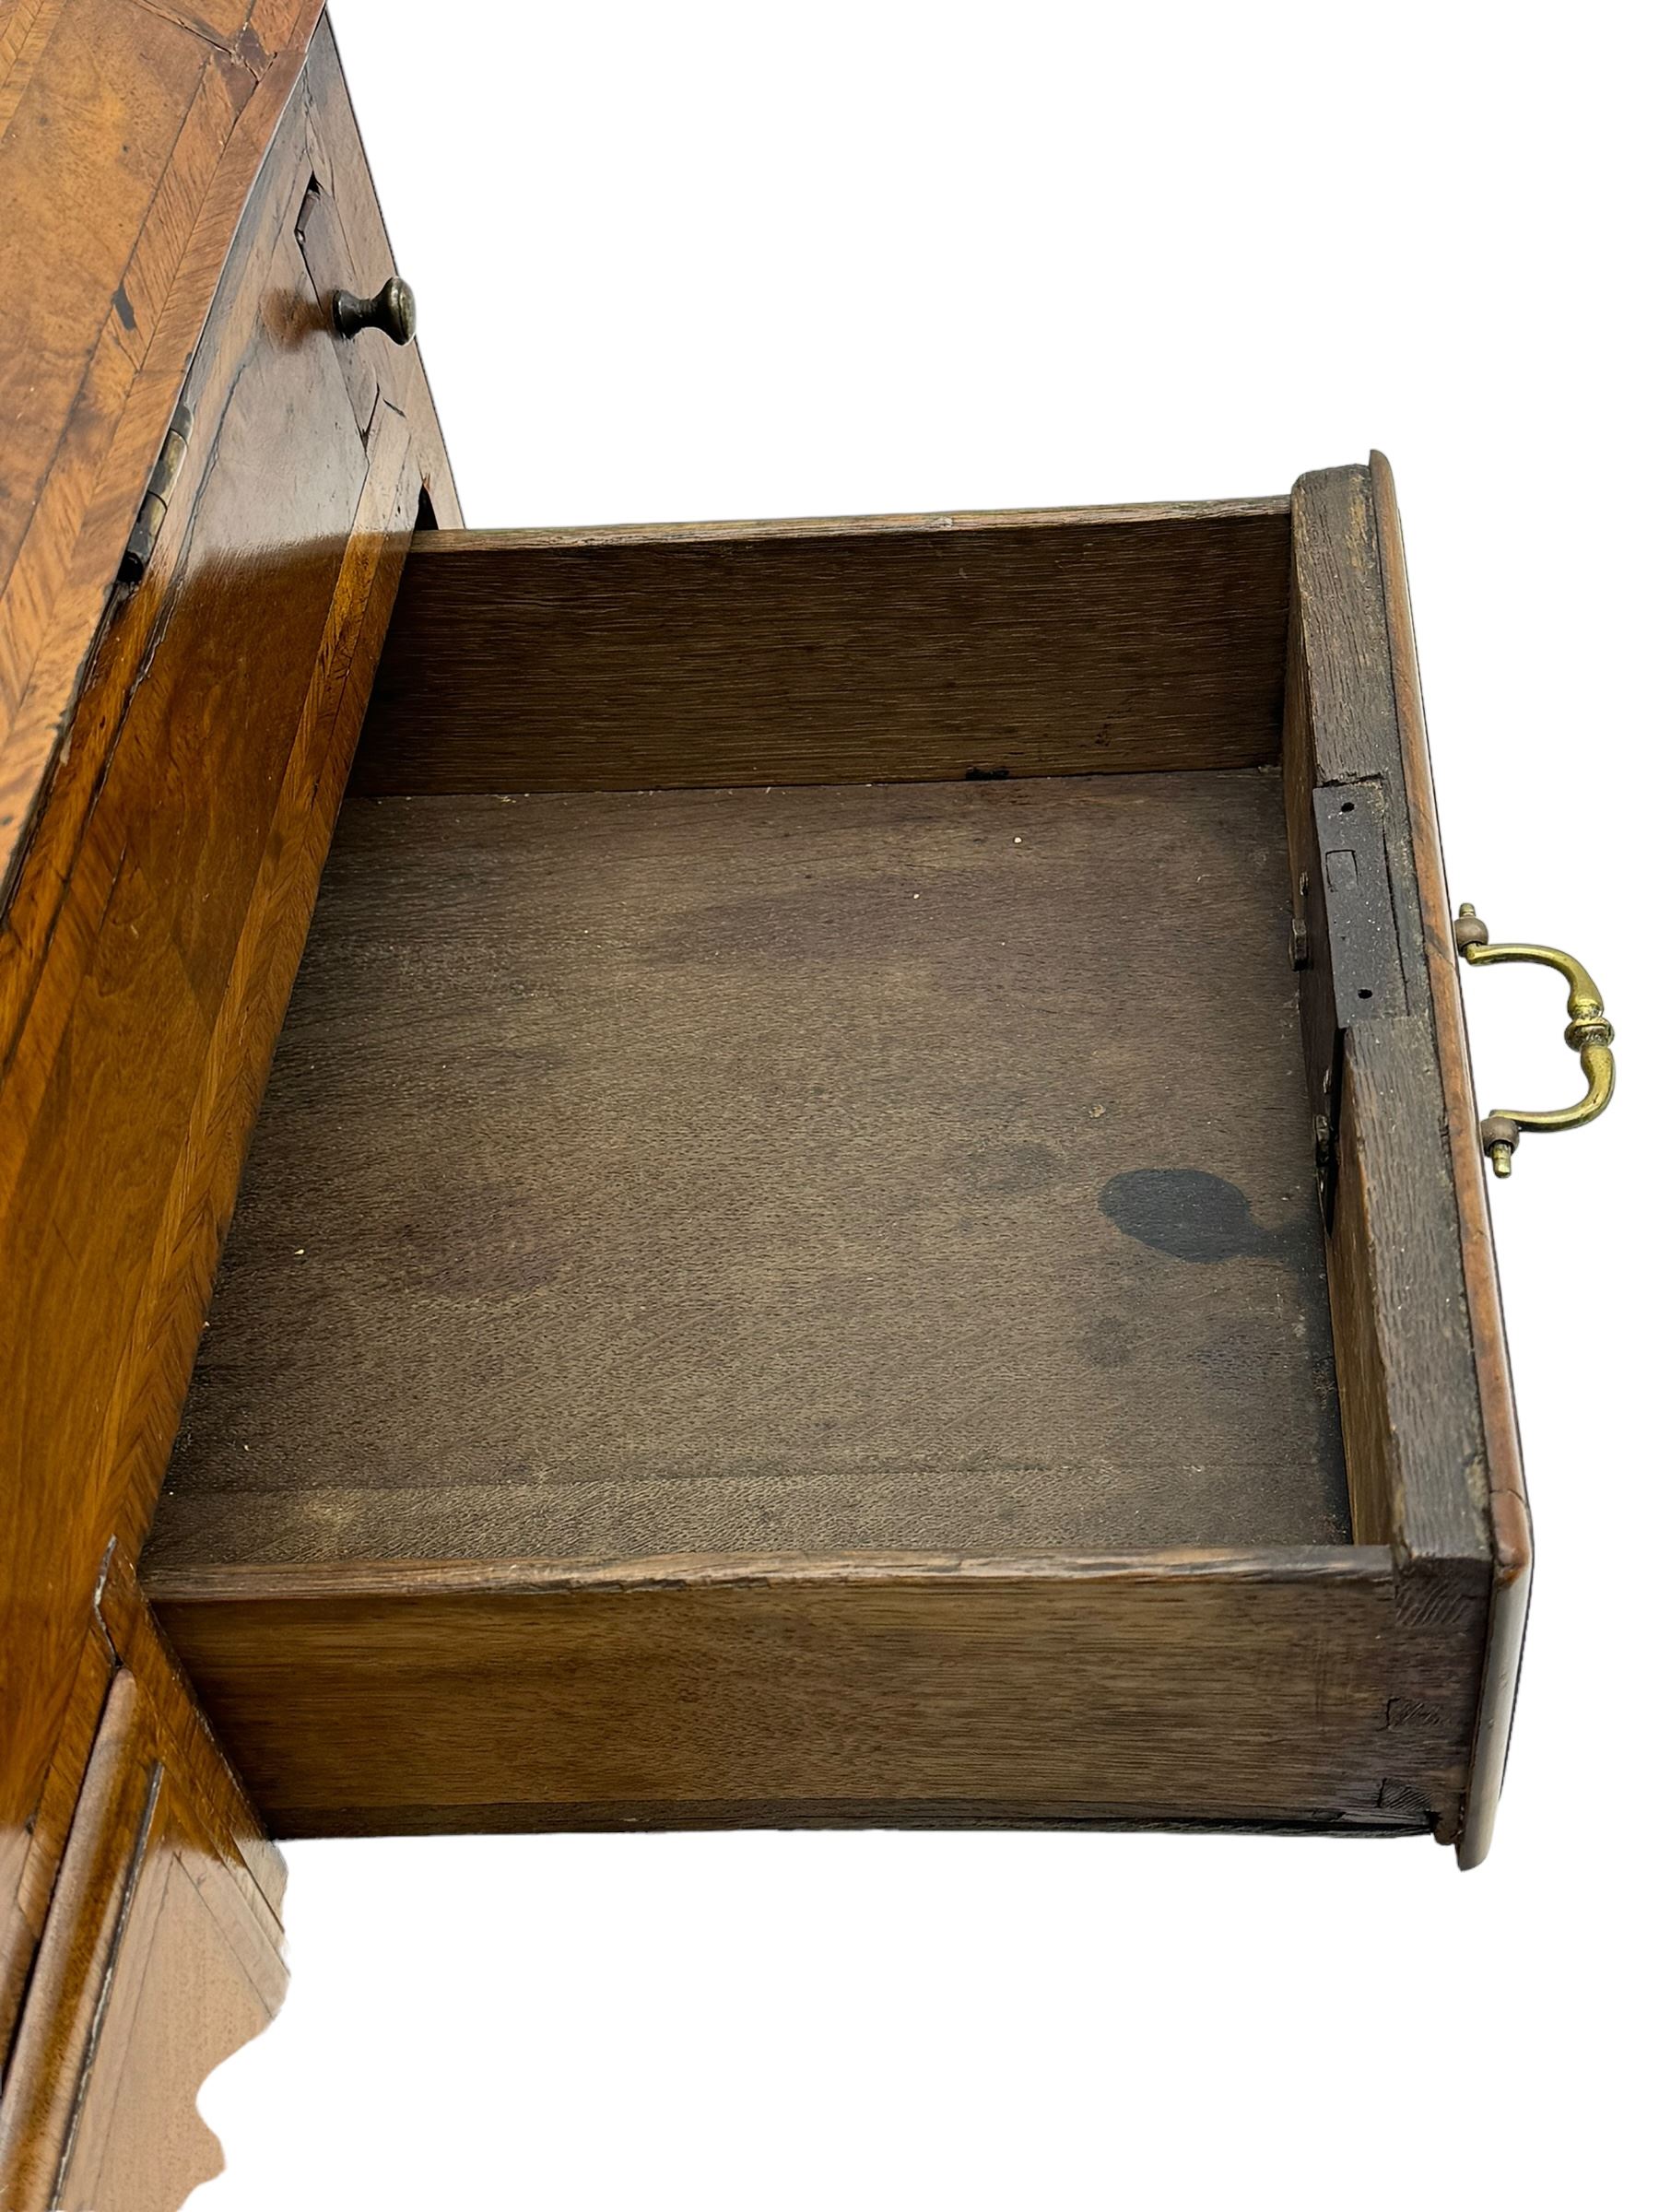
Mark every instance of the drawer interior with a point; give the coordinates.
(894, 1166)
(807, 1166)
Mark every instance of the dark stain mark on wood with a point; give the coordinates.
(1203, 1220)
(1192, 1215)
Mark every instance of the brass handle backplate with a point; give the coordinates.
(1589, 1034)
(391, 310)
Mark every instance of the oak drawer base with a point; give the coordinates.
(894, 1168)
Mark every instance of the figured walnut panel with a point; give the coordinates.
(161, 1956)
(156, 917)
(129, 137)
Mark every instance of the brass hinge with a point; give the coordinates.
(153, 511)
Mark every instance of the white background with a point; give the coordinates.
(714, 260)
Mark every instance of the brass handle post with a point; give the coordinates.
(391, 310)
(1589, 1034)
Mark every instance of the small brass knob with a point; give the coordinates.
(391, 310)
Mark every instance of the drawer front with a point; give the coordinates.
(157, 918)
(161, 1957)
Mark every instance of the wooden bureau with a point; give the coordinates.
(867, 1209)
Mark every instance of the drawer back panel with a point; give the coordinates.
(897, 649)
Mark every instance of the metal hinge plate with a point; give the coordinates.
(1366, 975)
(152, 512)
(1350, 949)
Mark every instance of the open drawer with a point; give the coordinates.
(868, 1209)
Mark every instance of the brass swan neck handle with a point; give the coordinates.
(1589, 1034)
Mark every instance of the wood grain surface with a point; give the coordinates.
(885, 1167)
(1510, 1519)
(358, 256)
(1411, 1406)
(1409, 1350)
(308, 126)
(36, 1856)
(684, 1229)
(902, 647)
(129, 139)
(156, 910)
(1278, 1689)
(161, 1956)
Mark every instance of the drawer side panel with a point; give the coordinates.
(1426, 1438)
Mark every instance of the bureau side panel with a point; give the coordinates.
(149, 944)
(162, 1955)
(129, 136)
